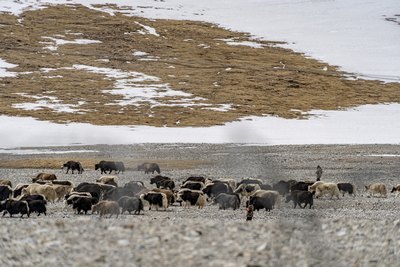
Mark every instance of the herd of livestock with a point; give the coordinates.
(106, 197)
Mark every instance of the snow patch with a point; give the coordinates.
(42, 151)
(56, 42)
(3, 69)
(363, 125)
(138, 88)
(49, 102)
(235, 42)
(147, 29)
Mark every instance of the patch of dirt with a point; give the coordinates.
(88, 163)
(189, 56)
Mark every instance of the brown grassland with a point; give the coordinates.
(89, 162)
(191, 57)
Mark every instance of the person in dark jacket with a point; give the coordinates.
(249, 213)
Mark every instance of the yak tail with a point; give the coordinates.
(278, 201)
(27, 207)
(164, 201)
(141, 205)
(354, 190)
(229, 188)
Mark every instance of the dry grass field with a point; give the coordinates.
(193, 57)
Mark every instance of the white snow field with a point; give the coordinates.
(363, 125)
(353, 35)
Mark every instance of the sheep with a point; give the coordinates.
(376, 188)
(46, 190)
(322, 188)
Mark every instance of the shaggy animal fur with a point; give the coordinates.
(38, 206)
(274, 196)
(170, 195)
(396, 190)
(149, 168)
(62, 190)
(201, 201)
(246, 190)
(191, 198)
(45, 190)
(156, 199)
(228, 201)
(376, 188)
(106, 207)
(192, 185)
(111, 180)
(44, 177)
(321, 189)
(5, 182)
(300, 197)
(130, 204)
(346, 188)
(12, 206)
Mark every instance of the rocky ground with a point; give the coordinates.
(351, 231)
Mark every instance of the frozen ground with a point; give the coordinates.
(351, 231)
(370, 124)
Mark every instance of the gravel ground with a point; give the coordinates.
(351, 231)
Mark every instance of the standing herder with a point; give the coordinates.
(319, 173)
(249, 214)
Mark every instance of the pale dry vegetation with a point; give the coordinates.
(88, 163)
